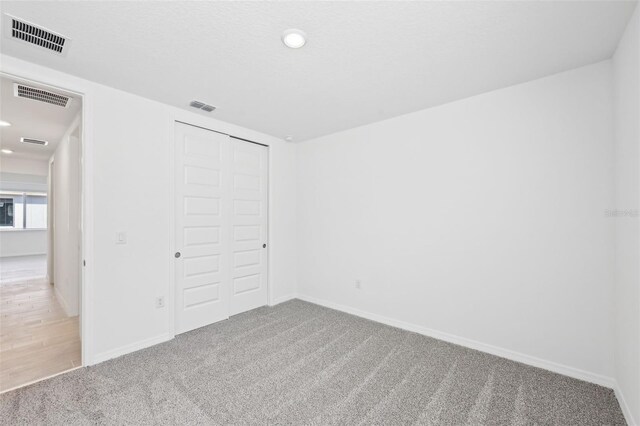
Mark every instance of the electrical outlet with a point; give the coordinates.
(358, 284)
(160, 302)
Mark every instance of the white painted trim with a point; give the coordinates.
(132, 347)
(283, 299)
(171, 292)
(23, 254)
(87, 283)
(626, 411)
(63, 303)
(565, 370)
(270, 217)
(2, 230)
(197, 119)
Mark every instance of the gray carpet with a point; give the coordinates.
(299, 363)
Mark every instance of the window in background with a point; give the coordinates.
(36, 211)
(18, 211)
(6, 211)
(23, 211)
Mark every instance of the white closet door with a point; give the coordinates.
(202, 216)
(249, 226)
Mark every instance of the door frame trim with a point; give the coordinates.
(222, 133)
(83, 91)
(171, 294)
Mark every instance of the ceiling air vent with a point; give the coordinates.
(202, 106)
(22, 91)
(17, 29)
(34, 141)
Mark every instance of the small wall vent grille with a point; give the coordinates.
(202, 106)
(22, 91)
(35, 35)
(34, 141)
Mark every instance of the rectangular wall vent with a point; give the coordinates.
(34, 141)
(18, 29)
(22, 91)
(202, 106)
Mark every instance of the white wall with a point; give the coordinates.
(480, 221)
(283, 222)
(626, 77)
(22, 242)
(66, 220)
(10, 164)
(502, 237)
(132, 194)
(128, 155)
(19, 182)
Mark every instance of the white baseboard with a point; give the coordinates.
(65, 306)
(123, 350)
(626, 411)
(126, 349)
(23, 254)
(283, 299)
(566, 370)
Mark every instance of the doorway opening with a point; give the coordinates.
(40, 231)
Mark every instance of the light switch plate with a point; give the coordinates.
(121, 237)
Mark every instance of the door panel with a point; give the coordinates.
(249, 226)
(202, 227)
(221, 226)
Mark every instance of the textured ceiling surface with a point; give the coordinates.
(33, 119)
(363, 62)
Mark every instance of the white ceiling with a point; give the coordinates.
(363, 62)
(33, 119)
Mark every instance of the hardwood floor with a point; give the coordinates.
(22, 268)
(37, 339)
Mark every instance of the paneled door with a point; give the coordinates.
(249, 169)
(203, 224)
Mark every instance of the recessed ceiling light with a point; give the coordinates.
(4, 123)
(7, 151)
(294, 38)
